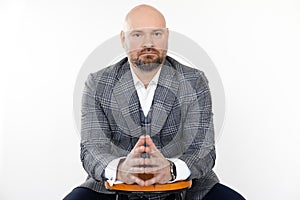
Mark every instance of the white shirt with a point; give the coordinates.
(145, 94)
(146, 97)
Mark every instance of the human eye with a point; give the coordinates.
(157, 34)
(136, 34)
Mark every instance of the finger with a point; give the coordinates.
(151, 181)
(135, 162)
(153, 161)
(155, 153)
(136, 152)
(133, 170)
(150, 143)
(139, 146)
(141, 149)
(161, 179)
(154, 170)
(140, 142)
(140, 182)
(135, 179)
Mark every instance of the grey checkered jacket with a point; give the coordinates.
(181, 122)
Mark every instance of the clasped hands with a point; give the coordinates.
(155, 165)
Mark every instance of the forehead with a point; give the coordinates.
(143, 26)
(147, 29)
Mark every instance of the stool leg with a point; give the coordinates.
(117, 196)
(178, 195)
(181, 195)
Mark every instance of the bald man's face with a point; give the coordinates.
(146, 47)
(145, 39)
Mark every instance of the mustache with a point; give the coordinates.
(149, 50)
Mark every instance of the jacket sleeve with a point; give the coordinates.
(95, 145)
(198, 131)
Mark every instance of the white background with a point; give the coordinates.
(254, 45)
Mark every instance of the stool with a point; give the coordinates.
(177, 188)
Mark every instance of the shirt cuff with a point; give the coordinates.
(182, 170)
(111, 171)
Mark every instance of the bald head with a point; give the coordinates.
(145, 38)
(144, 16)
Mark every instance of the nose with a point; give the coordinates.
(148, 41)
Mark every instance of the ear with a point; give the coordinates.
(122, 37)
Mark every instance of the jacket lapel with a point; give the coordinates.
(126, 97)
(164, 97)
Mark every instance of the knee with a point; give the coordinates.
(220, 191)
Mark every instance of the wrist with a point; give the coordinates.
(119, 170)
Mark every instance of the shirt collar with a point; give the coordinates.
(138, 82)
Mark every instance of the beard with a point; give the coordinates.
(147, 63)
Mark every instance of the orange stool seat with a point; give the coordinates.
(177, 187)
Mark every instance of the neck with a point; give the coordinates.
(144, 76)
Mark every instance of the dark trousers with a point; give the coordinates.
(218, 192)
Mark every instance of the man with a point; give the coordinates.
(148, 115)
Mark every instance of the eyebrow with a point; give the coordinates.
(134, 31)
(158, 29)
